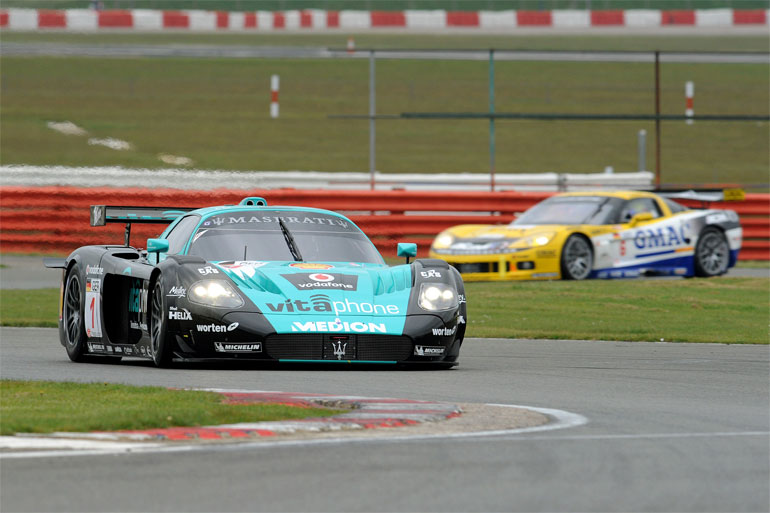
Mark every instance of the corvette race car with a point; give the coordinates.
(285, 284)
(597, 235)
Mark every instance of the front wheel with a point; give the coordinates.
(712, 254)
(160, 344)
(577, 258)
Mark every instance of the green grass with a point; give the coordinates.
(753, 264)
(726, 310)
(45, 407)
(215, 111)
(34, 307)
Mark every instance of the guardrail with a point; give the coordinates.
(56, 219)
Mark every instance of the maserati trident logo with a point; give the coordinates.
(339, 349)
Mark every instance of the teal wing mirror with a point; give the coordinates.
(157, 245)
(407, 249)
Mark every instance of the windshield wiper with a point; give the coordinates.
(290, 241)
(596, 210)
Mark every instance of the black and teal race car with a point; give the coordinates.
(250, 281)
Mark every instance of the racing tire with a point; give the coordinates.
(73, 329)
(160, 345)
(712, 253)
(577, 258)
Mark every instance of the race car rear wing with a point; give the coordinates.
(705, 196)
(103, 214)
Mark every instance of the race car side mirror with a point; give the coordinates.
(406, 249)
(641, 217)
(157, 245)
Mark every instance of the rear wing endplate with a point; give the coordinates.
(103, 214)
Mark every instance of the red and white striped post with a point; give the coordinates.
(689, 92)
(274, 82)
(351, 45)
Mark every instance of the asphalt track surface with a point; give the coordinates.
(671, 427)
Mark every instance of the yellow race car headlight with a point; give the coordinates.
(533, 241)
(443, 241)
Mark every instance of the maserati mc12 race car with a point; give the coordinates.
(286, 284)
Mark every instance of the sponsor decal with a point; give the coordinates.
(137, 325)
(431, 273)
(143, 350)
(239, 264)
(460, 319)
(323, 281)
(94, 285)
(98, 215)
(245, 347)
(322, 303)
(308, 267)
(429, 350)
(338, 326)
(461, 298)
(176, 314)
(659, 238)
(177, 292)
(95, 347)
(248, 268)
(216, 328)
(546, 253)
(137, 298)
(109, 349)
(623, 247)
(92, 269)
(444, 332)
(207, 270)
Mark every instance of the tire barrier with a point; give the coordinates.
(56, 219)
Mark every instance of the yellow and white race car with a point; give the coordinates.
(596, 235)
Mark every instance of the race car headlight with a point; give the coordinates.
(541, 239)
(216, 293)
(437, 296)
(443, 241)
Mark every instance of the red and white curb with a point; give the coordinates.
(84, 20)
(360, 413)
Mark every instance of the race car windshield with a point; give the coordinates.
(594, 210)
(314, 237)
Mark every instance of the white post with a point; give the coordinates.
(689, 92)
(274, 82)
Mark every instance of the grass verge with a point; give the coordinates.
(45, 407)
(216, 112)
(723, 310)
(34, 307)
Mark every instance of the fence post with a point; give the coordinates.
(642, 146)
(491, 120)
(372, 128)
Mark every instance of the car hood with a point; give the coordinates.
(297, 296)
(494, 232)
